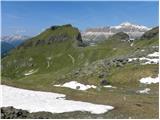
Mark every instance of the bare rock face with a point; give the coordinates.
(99, 34)
(104, 82)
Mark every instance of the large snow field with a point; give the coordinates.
(35, 101)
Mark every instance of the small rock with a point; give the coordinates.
(77, 87)
(104, 82)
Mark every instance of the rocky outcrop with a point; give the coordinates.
(12, 113)
(151, 34)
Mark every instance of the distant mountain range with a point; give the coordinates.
(11, 41)
(5, 47)
(14, 40)
(98, 34)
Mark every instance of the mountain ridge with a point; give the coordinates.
(94, 35)
(53, 35)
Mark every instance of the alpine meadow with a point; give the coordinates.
(80, 60)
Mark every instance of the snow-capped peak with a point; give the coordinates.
(14, 37)
(96, 34)
(125, 24)
(130, 26)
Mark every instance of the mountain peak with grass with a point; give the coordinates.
(55, 34)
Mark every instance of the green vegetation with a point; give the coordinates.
(58, 53)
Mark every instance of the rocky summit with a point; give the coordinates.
(55, 34)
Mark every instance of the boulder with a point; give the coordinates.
(104, 82)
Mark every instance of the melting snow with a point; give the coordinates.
(155, 54)
(76, 85)
(146, 90)
(131, 59)
(149, 80)
(35, 101)
(150, 59)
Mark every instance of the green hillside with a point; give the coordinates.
(61, 48)
(58, 55)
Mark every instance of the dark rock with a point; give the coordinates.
(77, 87)
(80, 43)
(104, 82)
(119, 65)
(54, 27)
(139, 105)
(12, 113)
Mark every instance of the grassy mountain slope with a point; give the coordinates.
(49, 52)
(58, 55)
(54, 53)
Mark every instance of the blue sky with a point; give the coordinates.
(30, 18)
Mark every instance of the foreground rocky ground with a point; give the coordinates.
(12, 113)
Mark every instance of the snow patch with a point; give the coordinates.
(131, 59)
(150, 59)
(109, 86)
(35, 101)
(30, 72)
(76, 85)
(155, 54)
(145, 91)
(131, 44)
(149, 80)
